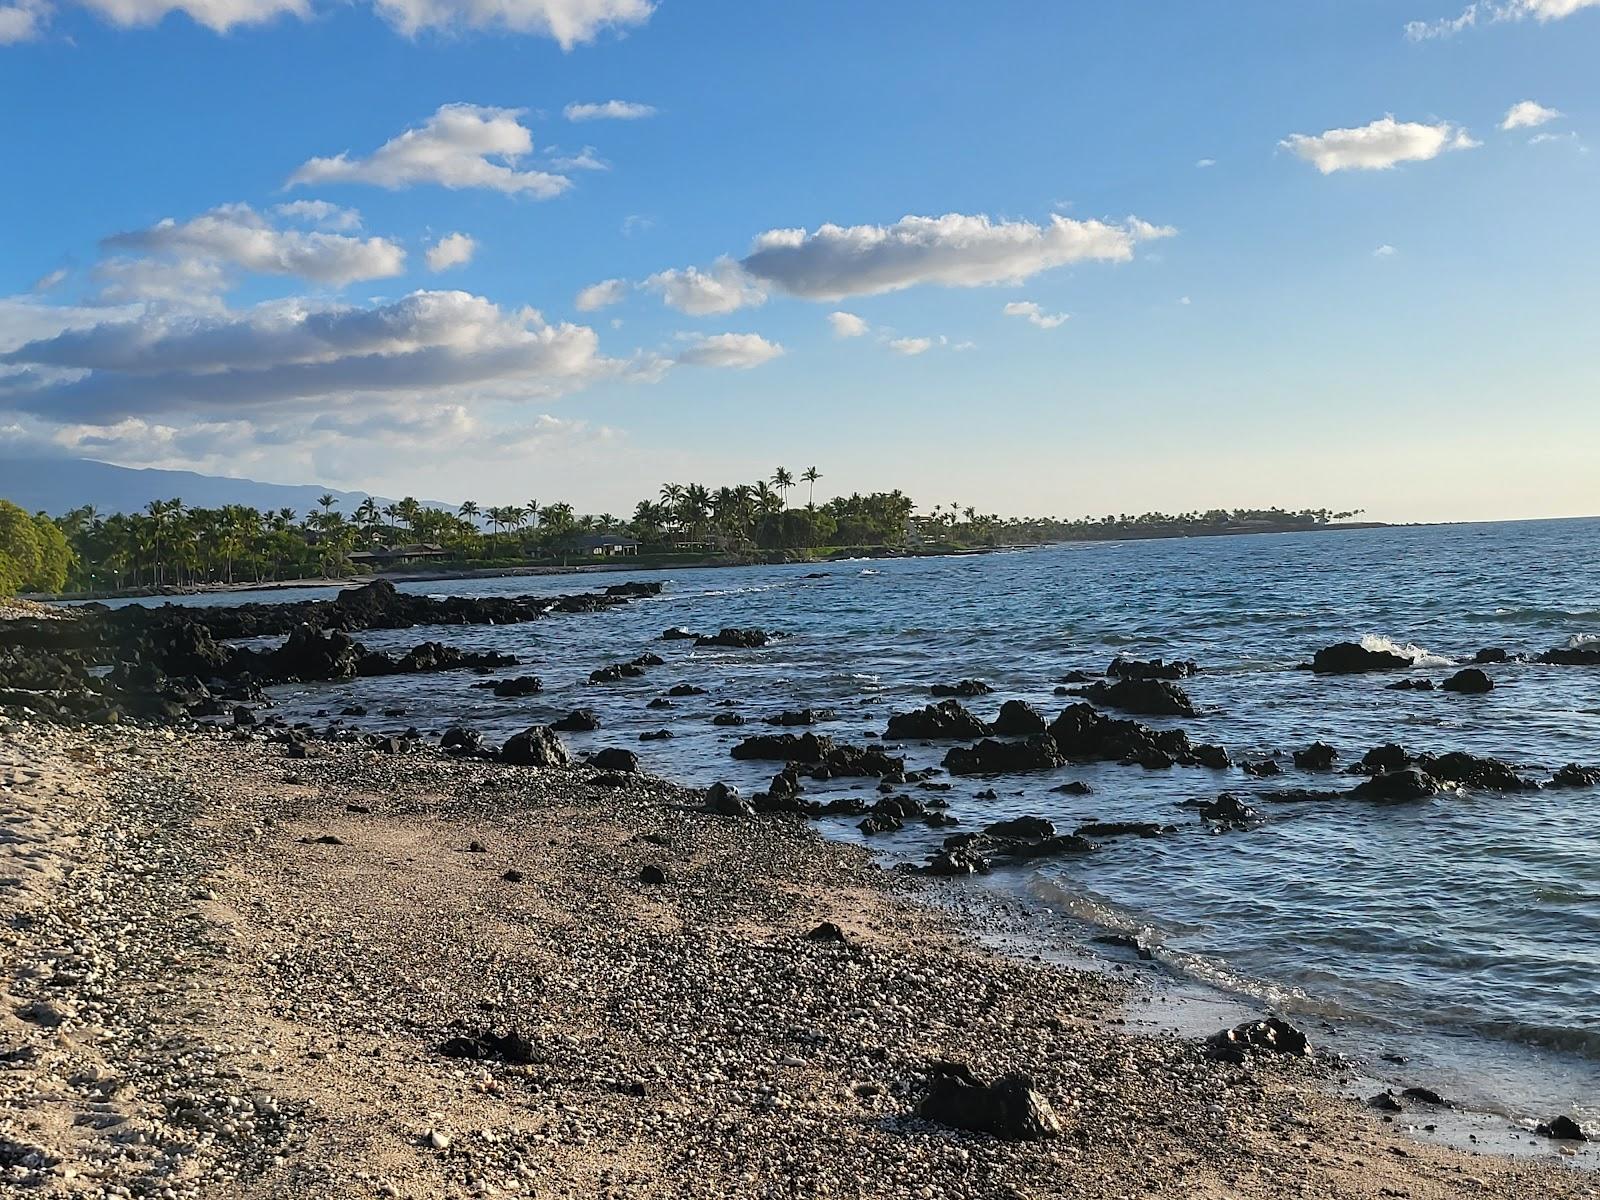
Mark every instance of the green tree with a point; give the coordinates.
(811, 475)
(19, 549)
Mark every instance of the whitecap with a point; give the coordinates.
(1418, 656)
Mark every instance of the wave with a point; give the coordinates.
(1418, 656)
(1513, 615)
(1579, 640)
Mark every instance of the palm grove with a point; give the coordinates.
(168, 544)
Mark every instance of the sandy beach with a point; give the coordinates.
(230, 973)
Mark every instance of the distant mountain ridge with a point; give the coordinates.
(57, 485)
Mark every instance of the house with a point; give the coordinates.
(393, 554)
(607, 545)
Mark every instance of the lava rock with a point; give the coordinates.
(1408, 783)
(1319, 756)
(1272, 1035)
(966, 689)
(1469, 681)
(785, 747)
(1018, 719)
(1146, 697)
(1155, 668)
(536, 746)
(614, 758)
(1352, 658)
(947, 719)
(579, 720)
(1562, 1128)
(652, 875)
(736, 639)
(991, 757)
(1008, 1108)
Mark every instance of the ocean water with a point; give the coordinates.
(1461, 933)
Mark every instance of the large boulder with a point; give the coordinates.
(991, 757)
(1408, 783)
(1147, 697)
(579, 720)
(1008, 1108)
(785, 747)
(1352, 658)
(1585, 654)
(536, 746)
(1018, 718)
(1084, 735)
(1155, 668)
(947, 719)
(1470, 681)
(1272, 1036)
(737, 639)
(308, 655)
(966, 689)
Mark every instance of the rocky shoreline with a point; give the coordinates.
(230, 972)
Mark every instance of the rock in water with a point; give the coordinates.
(1352, 658)
(947, 719)
(1018, 718)
(1147, 697)
(737, 639)
(614, 758)
(1562, 1128)
(536, 746)
(1319, 756)
(967, 689)
(1470, 681)
(1009, 1108)
(579, 720)
(1409, 783)
(990, 757)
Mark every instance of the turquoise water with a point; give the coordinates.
(1462, 933)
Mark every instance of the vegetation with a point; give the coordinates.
(169, 545)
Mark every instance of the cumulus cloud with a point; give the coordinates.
(460, 146)
(1206, 162)
(1385, 251)
(1527, 114)
(217, 15)
(443, 346)
(569, 22)
(452, 250)
(740, 350)
(1377, 146)
(22, 22)
(723, 289)
(587, 159)
(911, 345)
(1034, 315)
(1493, 12)
(181, 282)
(847, 325)
(320, 214)
(954, 250)
(609, 110)
(602, 295)
(236, 234)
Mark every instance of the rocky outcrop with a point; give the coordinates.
(785, 747)
(579, 720)
(1408, 783)
(991, 757)
(1270, 1036)
(967, 689)
(1586, 654)
(736, 639)
(1574, 776)
(1319, 756)
(801, 716)
(1352, 658)
(1155, 668)
(1018, 719)
(933, 722)
(1146, 697)
(1084, 735)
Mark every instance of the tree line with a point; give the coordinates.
(169, 544)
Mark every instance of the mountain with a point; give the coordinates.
(56, 485)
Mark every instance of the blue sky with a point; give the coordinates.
(1274, 292)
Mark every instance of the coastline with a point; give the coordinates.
(209, 994)
(653, 563)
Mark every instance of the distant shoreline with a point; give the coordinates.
(654, 563)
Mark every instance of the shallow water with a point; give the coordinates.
(1463, 933)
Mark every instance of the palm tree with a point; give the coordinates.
(783, 481)
(531, 508)
(811, 475)
(469, 510)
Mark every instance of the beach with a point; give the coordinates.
(230, 972)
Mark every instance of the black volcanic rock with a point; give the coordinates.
(1470, 681)
(991, 757)
(1352, 658)
(945, 720)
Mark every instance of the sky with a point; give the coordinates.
(1034, 256)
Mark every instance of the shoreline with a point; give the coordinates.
(626, 564)
(689, 1039)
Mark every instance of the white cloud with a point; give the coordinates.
(602, 295)
(1385, 251)
(911, 345)
(636, 223)
(195, 283)
(1185, 301)
(1545, 139)
(954, 250)
(740, 350)
(569, 22)
(1526, 114)
(236, 234)
(217, 15)
(426, 347)
(50, 280)
(23, 21)
(610, 110)
(1034, 314)
(847, 325)
(1493, 12)
(321, 214)
(587, 159)
(1206, 162)
(452, 250)
(1377, 146)
(454, 148)
(723, 289)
